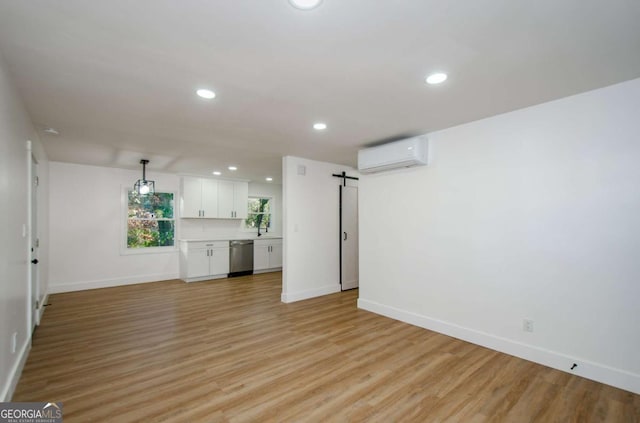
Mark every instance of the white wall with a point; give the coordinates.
(15, 129)
(311, 261)
(87, 228)
(533, 214)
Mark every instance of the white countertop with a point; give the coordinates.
(236, 238)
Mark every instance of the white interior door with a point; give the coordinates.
(349, 237)
(35, 244)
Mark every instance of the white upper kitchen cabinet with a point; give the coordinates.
(232, 199)
(199, 197)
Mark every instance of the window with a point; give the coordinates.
(259, 213)
(150, 220)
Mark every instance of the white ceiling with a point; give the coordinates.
(117, 78)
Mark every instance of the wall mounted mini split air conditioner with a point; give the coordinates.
(404, 153)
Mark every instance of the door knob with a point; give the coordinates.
(34, 261)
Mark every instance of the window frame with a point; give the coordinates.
(272, 213)
(124, 207)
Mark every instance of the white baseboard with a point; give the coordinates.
(15, 372)
(204, 278)
(107, 283)
(587, 369)
(290, 297)
(45, 300)
(275, 269)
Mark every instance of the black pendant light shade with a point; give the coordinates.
(144, 187)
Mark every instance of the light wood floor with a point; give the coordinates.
(228, 350)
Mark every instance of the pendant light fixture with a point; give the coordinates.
(144, 187)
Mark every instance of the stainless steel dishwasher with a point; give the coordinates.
(240, 257)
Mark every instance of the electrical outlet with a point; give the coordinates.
(14, 342)
(527, 325)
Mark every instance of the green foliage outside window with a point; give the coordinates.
(259, 213)
(150, 220)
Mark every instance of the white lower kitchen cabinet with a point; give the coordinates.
(267, 255)
(203, 260)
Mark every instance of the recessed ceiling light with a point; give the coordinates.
(436, 78)
(268, 179)
(319, 126)
(233, 168)
(208, 94)
(305, 4)
(51, 131)
(215, 172)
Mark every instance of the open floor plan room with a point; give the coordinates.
(229, 350)
(320, 210)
